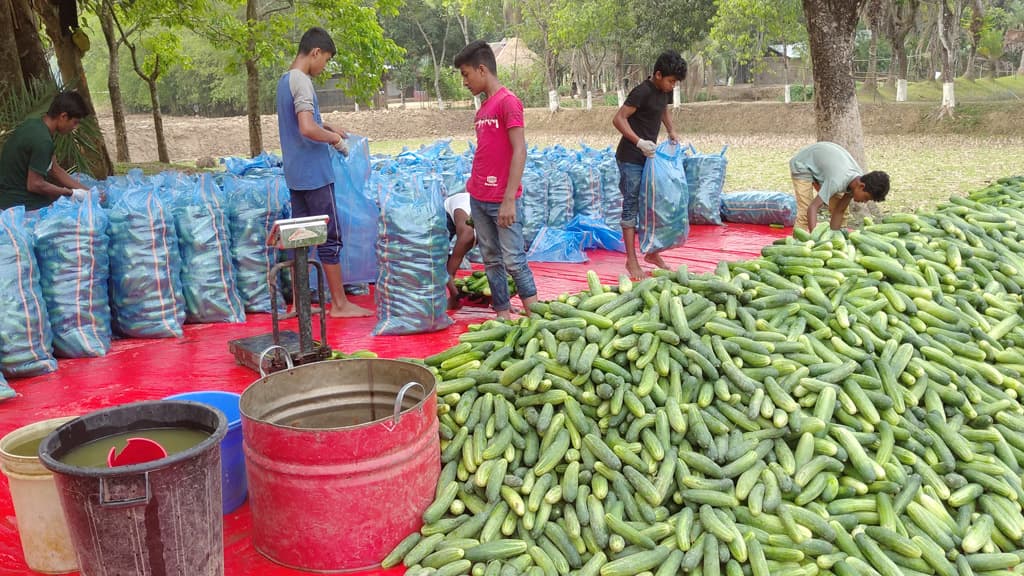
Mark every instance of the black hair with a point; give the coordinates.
(670, 63)
(317, 37)
(476, 53)
(70, 103)
(877, 184)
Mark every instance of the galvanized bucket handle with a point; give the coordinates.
(401, 396)
(287, 358)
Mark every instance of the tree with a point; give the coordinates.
(35, 66)
(875, 16)
(12, 83)
(264, 33)
(831, 25)
(538, 29)
(902, 18)
(975, 27)
(69, 62)
(588, 30)
(105, 11)
(948, 30)
(746, 28)
(662, 24)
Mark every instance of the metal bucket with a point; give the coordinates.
(342, 458)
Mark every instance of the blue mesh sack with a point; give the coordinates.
(25, 336)
(145, 265)
(588, 199)
(611, 196)
(357, 212)
(557, 245)
(664, 221)
(535, 200)
(207, 272)
(412, 252)
(71, 245)
(759, 207)
(253, 206)
(560, 198)
(5, 390)
(705, 177)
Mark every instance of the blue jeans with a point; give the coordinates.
(503, 250)
(629, 185)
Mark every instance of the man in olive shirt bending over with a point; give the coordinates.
(29, 173)
(824, 173)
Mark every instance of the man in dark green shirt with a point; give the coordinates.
(29, 173)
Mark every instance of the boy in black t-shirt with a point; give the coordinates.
(639, 120)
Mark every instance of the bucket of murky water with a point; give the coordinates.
(157, 517)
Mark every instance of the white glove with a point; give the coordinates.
(78, 194)
(647, 147)
(341, 146)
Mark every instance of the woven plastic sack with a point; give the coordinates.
(664, 221)
(243, 166)
(557, 245)
(759, 207)
(412, 252)
(25, 336)
(207, 272)
(588, 198)
(71, 245)
(357, 212)
(705, 177)
(145, 265)
(253, 206)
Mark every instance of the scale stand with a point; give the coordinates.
(286, 348)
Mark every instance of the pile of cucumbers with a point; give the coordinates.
(475, 287)
(845, 404)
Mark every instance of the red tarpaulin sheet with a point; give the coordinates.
(152, 369)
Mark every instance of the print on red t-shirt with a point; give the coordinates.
(496, 116)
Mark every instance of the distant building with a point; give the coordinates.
(776, 59)
(513, 56)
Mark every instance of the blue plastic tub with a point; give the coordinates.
(234, 487)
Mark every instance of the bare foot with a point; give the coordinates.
(505, 315)
(655, 258)
(634, 270)
(454, 303)
(350, 310)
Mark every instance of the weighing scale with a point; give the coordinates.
(284, 349)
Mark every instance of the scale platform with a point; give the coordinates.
(247, 351)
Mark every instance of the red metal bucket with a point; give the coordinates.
(342, 458)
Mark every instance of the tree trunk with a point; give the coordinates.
(11, 81)
(69, 60)
(871, 80)
(830, 26)
(158, 121)
(34, 63)
(977, 23)
(1020, 67)
(948, 32)
(114, 82)
(252, 82)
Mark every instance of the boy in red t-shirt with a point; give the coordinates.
(495, 183)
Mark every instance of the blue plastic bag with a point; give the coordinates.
(705, 177)
(25, 336)
(5, 390)
(588, 198)
(664, 220)
(412, 248)
(603, 236)
(611, 196)
(71, 245)
(759, 207)
(254, 203)
(145, 265)
(207, 272)
(243, 166)
(357, 211)
(557, 245)
(560, 198)
(535, 200)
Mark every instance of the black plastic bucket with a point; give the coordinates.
(157, 518)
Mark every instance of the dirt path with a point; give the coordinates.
(190, 138)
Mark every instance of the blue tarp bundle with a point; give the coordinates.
(25, 336)
(412, 252)
(759, 207)
(558, 245)
(254, 204)
(664, 220)
(207, 272)
(705, 177)
(243, 166)
(71, 245)
(145, 263)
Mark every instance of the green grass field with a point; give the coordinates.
(979, 90)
